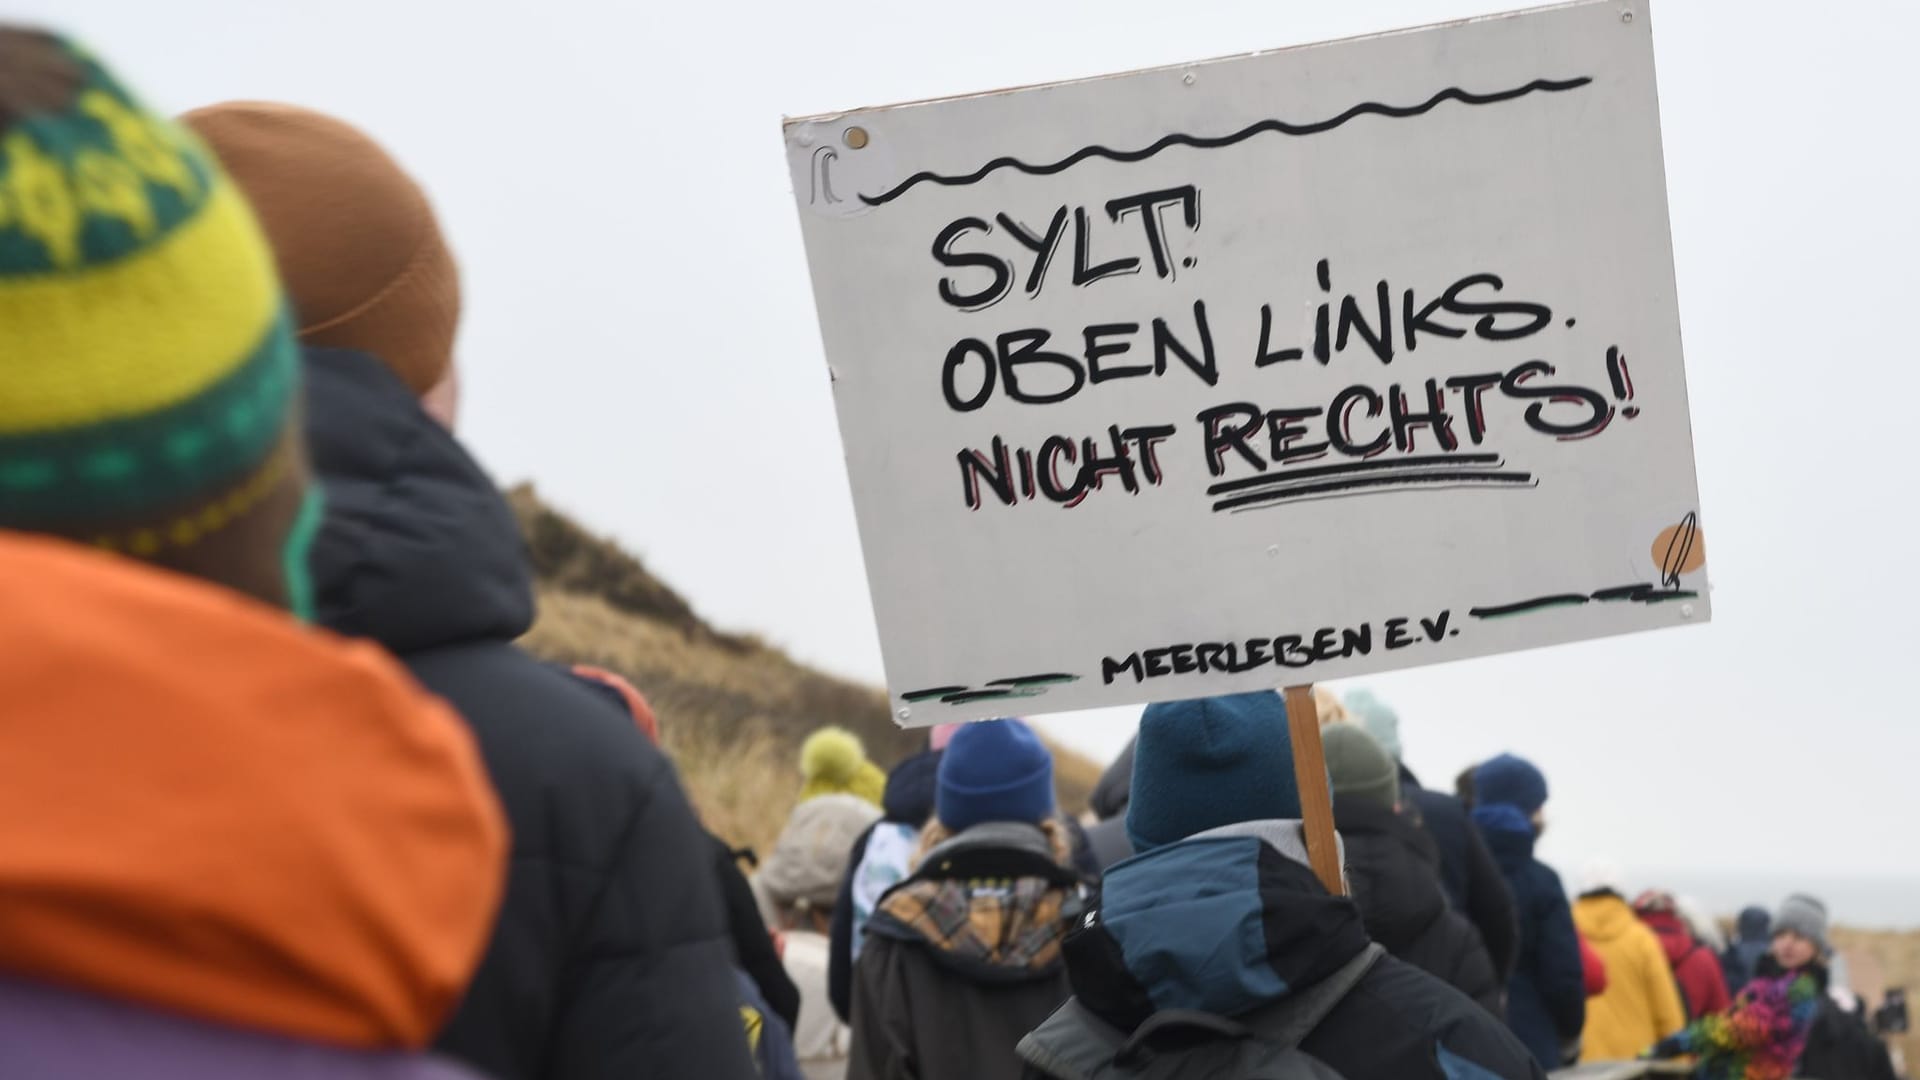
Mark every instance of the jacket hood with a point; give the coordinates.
(989, 905)
(908, 799)
(1222, 923)
(225, 814)
(1398, 892)
(1508, 832)
(1604, 917)
(419, 549)
(1755, 925)
(1675, 939)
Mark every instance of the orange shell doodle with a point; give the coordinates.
(1680, 549)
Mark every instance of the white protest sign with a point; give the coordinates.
(1260, 371)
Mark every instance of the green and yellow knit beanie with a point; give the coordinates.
(149, 379)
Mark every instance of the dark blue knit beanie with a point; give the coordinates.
(1512, 780)
(995, 770)
(1210, 762)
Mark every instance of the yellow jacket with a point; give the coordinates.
(1641, 1005)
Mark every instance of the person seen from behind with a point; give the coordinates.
(1641, 1004)
(1475, 884)
(1696, 971)
(799, 882)
(1216, 951)
(963, 957)
(1752, 938)
(236, 847)
(1547, 994)
(880, 858)
(1393, 871)
(611, 956)
(767, 989)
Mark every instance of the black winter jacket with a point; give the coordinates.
(1397, 888)
(753, 947)
(611, 956)
(752, 943)
(1232, 922)
(1473, 880)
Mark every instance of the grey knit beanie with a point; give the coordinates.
(1805, 916)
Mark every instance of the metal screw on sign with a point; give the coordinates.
(856, 138)
(904, 713)
(1686, 611)
(1626, 16)
(1188, 78)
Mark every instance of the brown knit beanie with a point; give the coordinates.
(359, 249)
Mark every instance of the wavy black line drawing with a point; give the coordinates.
(1198, 142)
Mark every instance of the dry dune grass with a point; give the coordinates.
(733, 710)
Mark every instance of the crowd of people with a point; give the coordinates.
(286, 798)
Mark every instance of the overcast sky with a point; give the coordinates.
(640, 341)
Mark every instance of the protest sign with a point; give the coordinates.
(1265, 370)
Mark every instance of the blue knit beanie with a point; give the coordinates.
(1512, 780)
(996, 770)
(1210, 762)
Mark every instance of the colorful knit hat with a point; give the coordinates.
(359, 247)
(148, 372)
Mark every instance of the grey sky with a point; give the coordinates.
(640, 340)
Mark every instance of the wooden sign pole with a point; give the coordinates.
(1316, 799)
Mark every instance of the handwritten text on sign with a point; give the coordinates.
(1376, 341)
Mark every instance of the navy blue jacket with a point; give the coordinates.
(611, 955)
(1751, 938)
(1475, 886)
(1547, 996)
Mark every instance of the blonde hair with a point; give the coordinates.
(1331, 709)
(1059, 841)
